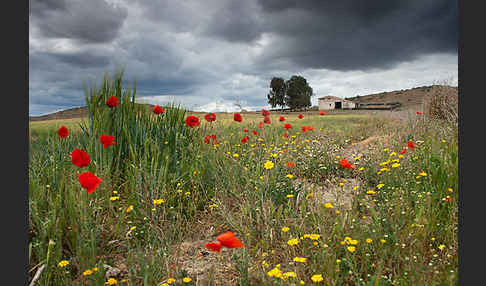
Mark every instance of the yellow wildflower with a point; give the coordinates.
(351, 249)
(158, 202)
(300, 259)
(328, 206)
(63, 263)
(290, 176)
(369, 240)
(111, 281)
(285, 229)
(129, 209)
(186, 279)
(317, 278)
(114, 198)
(293, 241)
(88, 272)
(269, 165)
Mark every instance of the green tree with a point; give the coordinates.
(298, 92)
(276, 96)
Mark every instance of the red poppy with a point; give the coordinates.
(245, 129)
(107, 140)
(301, 116)
(210, 117)
(214, 246)
(285, 151)
(322, 113)
(410, 144)
(63, 132)
(255, 132)
(158, 110)
(281, 118)
(291, 164)
(112, 101)
(287, 126)
(244, 139)
(80, 158)
(346, 165)
(206, 139)
(265, 112)
(260, 125)
(311, 128)
(227, 239)
(266, 120)
(210, 137)
(192, 121)
(89, 181)
(418, 112)
(286, 135)
(304, 128)
(237, 117)
(403, 151)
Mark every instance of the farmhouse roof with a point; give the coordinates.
(330, 97)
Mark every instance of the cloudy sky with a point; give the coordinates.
(207, 55)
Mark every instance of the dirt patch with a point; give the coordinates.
(206, 267)
(367, 146)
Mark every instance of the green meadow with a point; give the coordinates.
(303, 218)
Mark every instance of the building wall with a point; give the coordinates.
(349, 104)
(326, 105)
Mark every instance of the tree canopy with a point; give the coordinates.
(294, 93)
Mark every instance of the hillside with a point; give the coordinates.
(409, 98)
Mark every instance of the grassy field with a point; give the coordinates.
(303, 220)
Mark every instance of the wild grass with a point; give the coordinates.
(206, 189)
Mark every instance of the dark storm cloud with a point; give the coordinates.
(89, 21)
(236, 21)
(342, 35)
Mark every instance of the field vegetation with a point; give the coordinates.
(305, 217)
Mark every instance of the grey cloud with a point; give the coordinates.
(89, 21)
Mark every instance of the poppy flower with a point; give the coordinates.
(291, 164)
(265, 112)
(281, 118)
(245, 129)
(80, 158)
(322, 113)
(192, 121)
(210, 137)
(107, 140)
(112, 101)
(227, 239)
(286, 135)
(346, 165)
(244, 139)
(210, 117)
(403, 151)
(418, 112)
(266, 120)
(63, 132)
(287, 126)
(301, 116)
(410, 144)
(237, 117)
(311, 128)
(255, 132)
(89, 181)
(158, 110)
(304, 128)
(260, 125)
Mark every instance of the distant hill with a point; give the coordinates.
(77, 112)
(409, 98)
